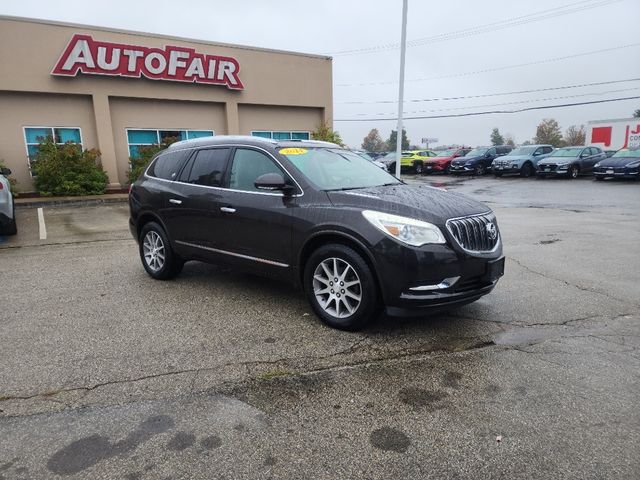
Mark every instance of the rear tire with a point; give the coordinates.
(417, 167)
(157, 256)
(12, 229)
(341, 287)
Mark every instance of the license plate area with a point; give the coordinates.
(495, 269)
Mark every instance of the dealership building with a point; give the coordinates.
(116, 90)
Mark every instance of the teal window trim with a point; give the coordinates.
(185, 134)
(55, 132)
(282, 134)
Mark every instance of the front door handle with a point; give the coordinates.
(228, 210)
(175, 201)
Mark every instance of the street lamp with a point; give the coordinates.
(403, 47)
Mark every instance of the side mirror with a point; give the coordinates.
(5, 171)
(273, 182)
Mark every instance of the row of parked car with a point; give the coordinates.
(528, 160)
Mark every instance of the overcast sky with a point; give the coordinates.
(433, 69)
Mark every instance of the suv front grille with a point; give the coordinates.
(473, 233)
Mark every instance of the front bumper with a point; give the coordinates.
(553, 171)
(461, 168)
(435, 167)
(617, 172)
(409, 277)
(505, 169)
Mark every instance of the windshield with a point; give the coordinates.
(447, 153)
(337, 169)
(522, 151)
(566, 152)
(390, 156)
(477, 152)
(626, 154)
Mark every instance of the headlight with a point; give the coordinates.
(407, 230)
(633, 164)
(562, 165)
(597, 165)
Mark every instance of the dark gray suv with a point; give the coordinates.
(355, 238)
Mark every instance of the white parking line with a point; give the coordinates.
(43, 227)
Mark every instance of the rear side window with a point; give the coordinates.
(208, 167)
(168, 165)
(247, 166)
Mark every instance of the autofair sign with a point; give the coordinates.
(85, 55)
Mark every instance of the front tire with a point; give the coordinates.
(573, 172)
(341, 287)
(527, 170)
(599, 179)
(157, 256)
(479, 170)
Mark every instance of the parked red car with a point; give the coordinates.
(442, 161)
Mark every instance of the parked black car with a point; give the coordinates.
(623, 164)
(478, 161)
(570, 162)
(352, 235)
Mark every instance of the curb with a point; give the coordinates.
(68, 202)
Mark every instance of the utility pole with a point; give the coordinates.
(403, 47)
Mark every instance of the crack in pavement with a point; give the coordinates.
(566, 282)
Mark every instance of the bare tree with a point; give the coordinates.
(373, 141)
(575, 135)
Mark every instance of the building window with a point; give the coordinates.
(144, 137)
(281, 135)
(33, 136)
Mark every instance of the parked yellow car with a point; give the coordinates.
(414, 159)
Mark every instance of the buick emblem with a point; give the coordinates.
(492, 231)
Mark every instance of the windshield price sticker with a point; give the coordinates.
(293, 151)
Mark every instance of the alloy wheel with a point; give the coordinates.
(154, 253)
(337, 287)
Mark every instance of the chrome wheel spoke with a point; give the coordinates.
(337, 287)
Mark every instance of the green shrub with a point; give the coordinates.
(137, 165)
(68, 170)
(12, 182)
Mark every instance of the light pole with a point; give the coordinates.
(403, 47)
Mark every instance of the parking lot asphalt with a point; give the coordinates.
(106, 373)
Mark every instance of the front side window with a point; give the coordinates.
(142, 137)
(35, 135)
(337, 169)
(208, 167)
(247, 166)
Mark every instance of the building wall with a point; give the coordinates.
(162, 115)
(266, 117)
(19, 110)
(282, 90)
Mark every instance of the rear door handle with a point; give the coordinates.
(228, 210)
(175, 201)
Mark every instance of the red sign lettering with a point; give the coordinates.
(177, 64)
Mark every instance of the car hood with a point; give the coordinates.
(463, 160)
(439, 159)
(618, 162)
(416, 201)
(555, 160)
(514, 158)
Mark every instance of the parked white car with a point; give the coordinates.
(7, 207)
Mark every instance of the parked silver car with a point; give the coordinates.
(523, 160)
(7, 207)
(570, 162)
